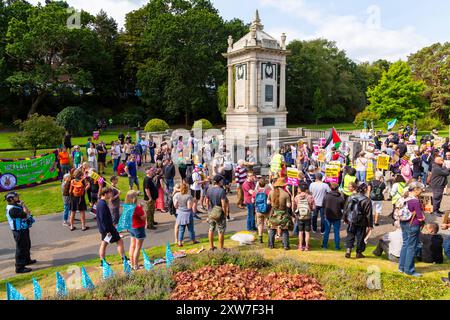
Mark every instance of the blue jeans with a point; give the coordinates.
(152, 155)
(447, 247)
(336, 229)
(361, 176)
(410, 243)
(315, 216)
(425, 167)
(116, 164)
(170, 185)
(182, 229)
(66, 212)
(251, 225)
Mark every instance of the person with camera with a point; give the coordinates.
(20, 221)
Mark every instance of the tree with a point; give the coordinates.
(432, 65)
(222, 99)
(319, 106)
(38, 132)
(75, 120)
(320, 64)
(398, 95)
(48, 56)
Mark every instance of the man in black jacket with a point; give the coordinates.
(439, 175)
(106, 227)
(333, 204)
(18, 217)
(150, 196)
(359, 217)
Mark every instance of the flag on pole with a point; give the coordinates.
(37, 290)
(169, 255)
(12, 293)
(126, 267)
(107, 271)
(126, 217)
(86, 281)
(61, 289)
(147, 263)
(392, 124)
(333, 140)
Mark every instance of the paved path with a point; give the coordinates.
(55, 245)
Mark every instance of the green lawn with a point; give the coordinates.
(341, 278)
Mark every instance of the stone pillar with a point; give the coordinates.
(230, 89)
(282, 106)
(253, 87)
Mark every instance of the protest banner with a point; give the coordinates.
(28, 172)
(292, 177)
(332, 173)
(321, 156)
(383, 162)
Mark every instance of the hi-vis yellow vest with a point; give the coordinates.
(276, 163)
(347, 180)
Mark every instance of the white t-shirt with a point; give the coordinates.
(116, 152)
(94, 152)
(395, 242)
(196, 177)
(318, 191)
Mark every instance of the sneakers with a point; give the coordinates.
(360, 256)
(415, 274)
(348, 253)
(24, 270)
(66, 224)
(230, 219)
(400, 271)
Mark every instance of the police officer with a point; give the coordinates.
(20, 221)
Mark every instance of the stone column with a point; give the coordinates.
(230, 89)
(282, 106)
(253, 87)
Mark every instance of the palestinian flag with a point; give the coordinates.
(333, 140)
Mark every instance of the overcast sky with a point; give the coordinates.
(366, 30)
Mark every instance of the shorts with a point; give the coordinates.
(377, 206)
(261, 218)
(304, 225)
(78, 204)
(221, 225)
(115, 236)
(133, 180)
(196, 194)
(138, 233)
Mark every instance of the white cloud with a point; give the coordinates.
(116, 9)
(363, 37)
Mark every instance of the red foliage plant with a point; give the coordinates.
(229, 282)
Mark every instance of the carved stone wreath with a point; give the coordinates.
(269, 71)
(240, 70)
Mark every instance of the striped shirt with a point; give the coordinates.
(241, 174)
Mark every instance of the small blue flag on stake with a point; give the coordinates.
(37, 290)
(392, 124)
(61, 289)
(126, 267)
(12, 293)
(169, 255)
(107, 271)
(86, 282)
(125, 220)
(147, 263)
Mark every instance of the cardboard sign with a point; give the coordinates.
(292, 177)
(383, 162)
(321, 156)
(332, 171)
(427, 203)
(370, 174)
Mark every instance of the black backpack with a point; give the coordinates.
(376, 194)
(357, 216)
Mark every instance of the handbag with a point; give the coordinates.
(216, 213)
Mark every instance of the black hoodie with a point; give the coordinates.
(333, 204)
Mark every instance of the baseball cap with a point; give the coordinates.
(200, 166)
(10, 195)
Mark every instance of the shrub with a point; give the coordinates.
(156, 125)
(429, 123)
(76, 121)
(366, 115)
(203, 124)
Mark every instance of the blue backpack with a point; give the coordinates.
(261, 202)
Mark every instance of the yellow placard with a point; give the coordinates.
(292, 173)
(332, 171)
(370, 174)
(383, 162)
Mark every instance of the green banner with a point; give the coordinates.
(29, 172)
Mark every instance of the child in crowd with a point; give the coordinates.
(65, 188)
